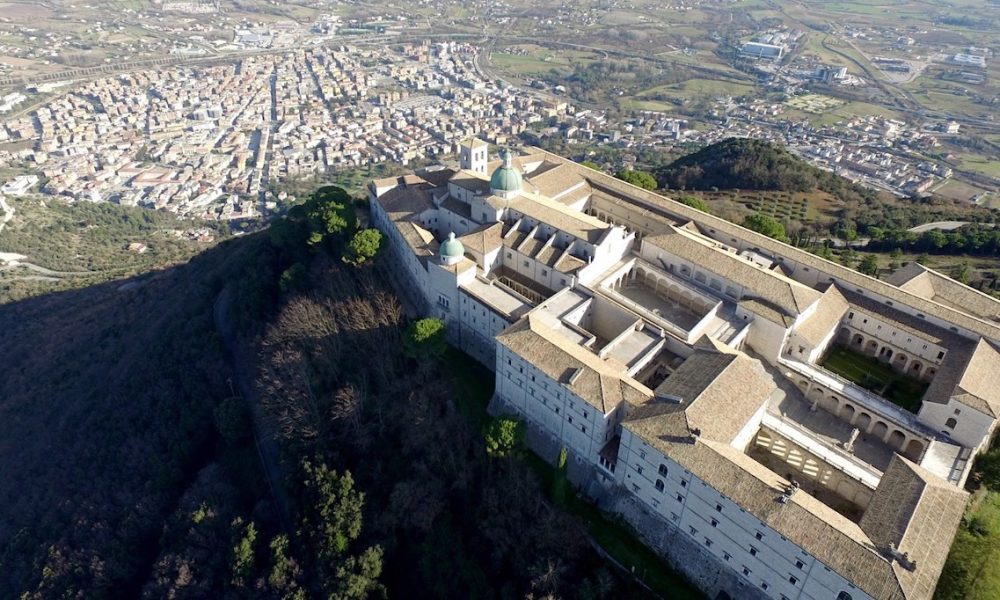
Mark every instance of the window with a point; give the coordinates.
(958, 411)
(527, 263)
(718, 508)
(663, 470)
(635, 488)
(708, 543)
(584, 429)
(844, 596)
(571, 422)
(746, 572)
(753, 551)
(792, 580)
(950, 423)
(799, 564)
(659, 485)
(642, 454)
(726, 556)
(684, 483)
(545, 273)
(680, 498)
(715, 523)
(509, 255)
(850, 315)
(759, 536)
(693, 530)
(940, 355)
(763, 585)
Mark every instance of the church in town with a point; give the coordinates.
(695, 371)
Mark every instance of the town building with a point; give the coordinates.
(685, 364)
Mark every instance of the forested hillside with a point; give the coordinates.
(250, 425)
(748, 164)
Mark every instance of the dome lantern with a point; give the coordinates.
(452, 251)
(506, 180)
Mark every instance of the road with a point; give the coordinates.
(939, 225)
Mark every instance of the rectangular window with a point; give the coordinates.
(715, 523)
(693, 530)
(718, 508)
(792, 580)
(799, 564)
(726, 556)
(680, 498)
(759, 536)
(708, 543)
(746, 572)
(753, 551)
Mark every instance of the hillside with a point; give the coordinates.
(746, 164)
(200, 433)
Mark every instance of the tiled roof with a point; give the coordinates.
(829, 312)
(913, 511)
(781, 293)
(927, 283)
(602, 383)
(678, 212)
(484, 238)
(713, 392)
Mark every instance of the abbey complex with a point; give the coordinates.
(777, 425)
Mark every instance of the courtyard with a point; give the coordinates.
(875, 376)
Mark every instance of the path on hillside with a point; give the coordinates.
(243, 365)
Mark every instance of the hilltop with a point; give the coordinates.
(747, 164)
(248, 425)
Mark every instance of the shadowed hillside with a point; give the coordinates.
(248, 425)
(106, 415)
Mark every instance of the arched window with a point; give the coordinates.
(950, 423)
(844, 596)
(663, 470)
(659, 485)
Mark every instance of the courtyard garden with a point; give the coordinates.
(876, 376)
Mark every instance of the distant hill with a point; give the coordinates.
(747, 164)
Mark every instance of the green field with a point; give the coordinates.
(972, 571)
(875, 376)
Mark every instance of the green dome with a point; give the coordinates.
(452, 250)
(506, 178)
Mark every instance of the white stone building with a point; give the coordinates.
(685, 363)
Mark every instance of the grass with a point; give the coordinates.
(972, 571)
(875, 376)
(475, 388)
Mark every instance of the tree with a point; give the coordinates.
(330, 215)
(696, 203)
(332, 511)
(232, 419)
(869, 265)
(560, 481)
(364, 246)
(503, 437)
(425, 339)
(766, 225)
(243, 552)
(848, 257)
(591, 165)
(641, 179)
(961, 273)
(358, 577)
(987, 469)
